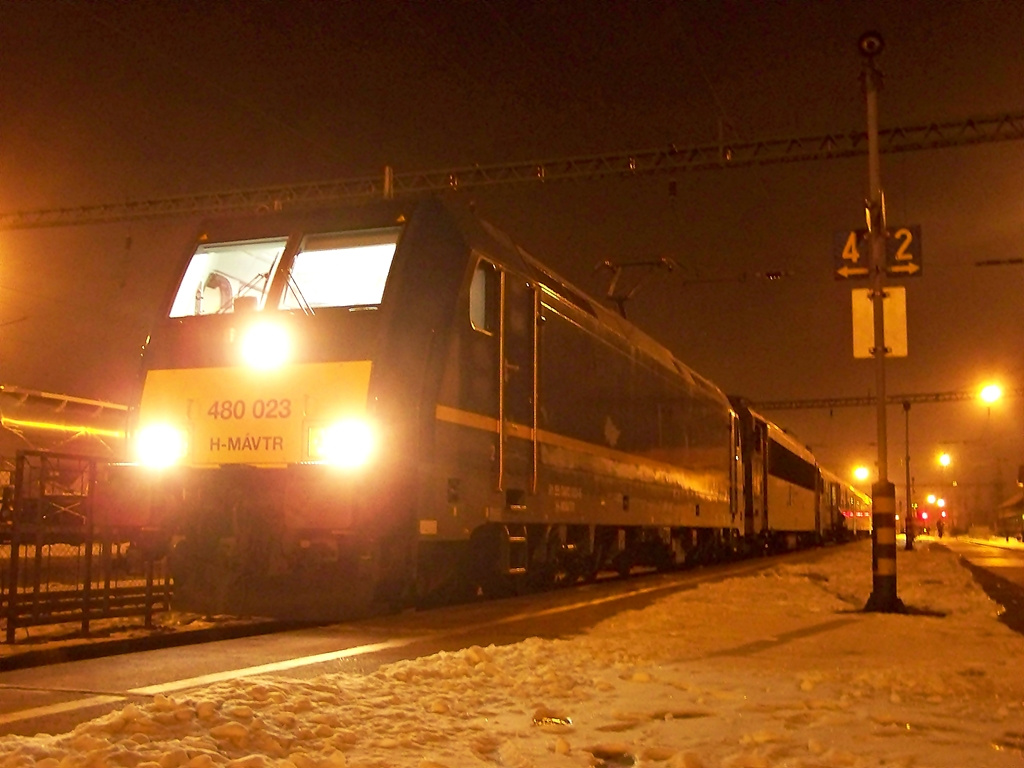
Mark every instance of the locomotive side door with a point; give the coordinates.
(737, 476)
(759, 477)
(517, 422)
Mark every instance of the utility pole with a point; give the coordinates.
(883, 494)
(908, 512)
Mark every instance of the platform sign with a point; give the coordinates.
(851, 253)
(894, 311)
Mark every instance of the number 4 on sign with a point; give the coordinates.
(851, 255)
(850, 252)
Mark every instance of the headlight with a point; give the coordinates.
(265, 345)
(160, 445)
(349, 443)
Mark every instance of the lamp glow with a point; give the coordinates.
(350, 443)
(990, 393)
(266, 346)
(160, 445)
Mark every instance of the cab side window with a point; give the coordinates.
(484, 295)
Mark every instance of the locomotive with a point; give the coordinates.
(386, 404)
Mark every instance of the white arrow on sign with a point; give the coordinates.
(908, 269)
(846, 271)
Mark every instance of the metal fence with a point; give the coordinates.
(59, 564)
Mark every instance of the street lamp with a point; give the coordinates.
(861, 474)
(990, 393)
(944, 461)
(940, 517)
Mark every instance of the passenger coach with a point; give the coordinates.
(788, 500)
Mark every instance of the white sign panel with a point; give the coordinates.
(894, 308)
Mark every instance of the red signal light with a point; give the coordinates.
(924, 515)
(943, 513)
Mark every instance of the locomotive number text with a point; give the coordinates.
(271, 408)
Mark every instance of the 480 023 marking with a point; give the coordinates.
(271, 408)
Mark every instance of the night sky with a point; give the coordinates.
(116, 101)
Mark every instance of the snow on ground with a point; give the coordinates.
(780, 669)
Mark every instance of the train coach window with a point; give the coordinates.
(349, 269)
(483, 297)
(221, 273)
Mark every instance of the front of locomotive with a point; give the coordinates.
(279, 474)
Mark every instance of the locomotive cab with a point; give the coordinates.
(247, 348)
(277, 460)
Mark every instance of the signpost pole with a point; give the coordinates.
(883, 513)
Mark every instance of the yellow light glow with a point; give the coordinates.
(940, 503)
(945, 459)
(76, 429)
(861, 473)
(931, 498)
(266, 345)
(991, 392)
(350, 443)
(160, 445)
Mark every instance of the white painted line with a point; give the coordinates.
(740, 569)
(277, 666)
(56, 709)
(194, 682)
(564, 608)
(320, 658)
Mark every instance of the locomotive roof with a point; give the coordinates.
(515, 255)
(775, 432)
(477, 232)
(782, 437)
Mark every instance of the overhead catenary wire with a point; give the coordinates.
(658, 160)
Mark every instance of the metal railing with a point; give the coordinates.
(59, 564)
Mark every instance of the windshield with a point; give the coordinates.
(226, 276)
(347, 269)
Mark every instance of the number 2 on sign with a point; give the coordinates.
(905, 238)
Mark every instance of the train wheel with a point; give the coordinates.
(624, 563)
(554, 561)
